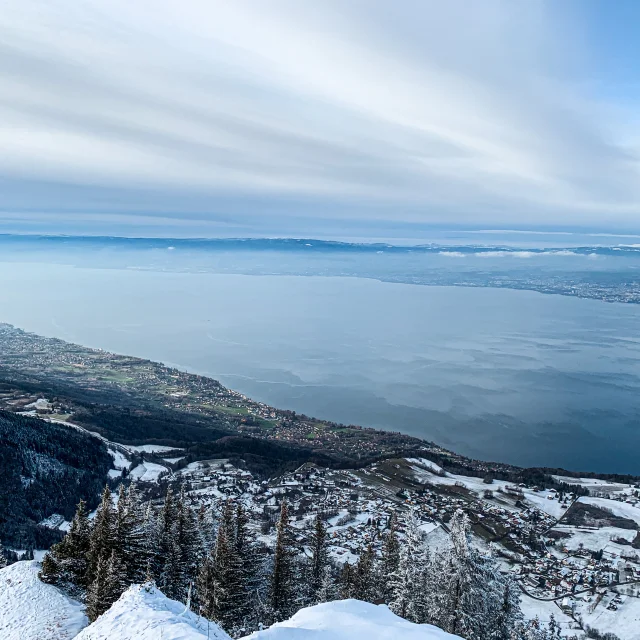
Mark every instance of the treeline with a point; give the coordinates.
(44, 468)
(219, 569)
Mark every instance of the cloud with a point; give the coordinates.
(258, 116)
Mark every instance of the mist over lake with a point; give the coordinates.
(502, 374)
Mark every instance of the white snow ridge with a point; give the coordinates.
(32, 610)
(144, 613)
(349, 620)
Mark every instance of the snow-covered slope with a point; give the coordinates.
(32, 610)
(144, 613)
(349, 620)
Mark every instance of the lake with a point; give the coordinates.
(498, 374)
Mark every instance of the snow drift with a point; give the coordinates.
(349, 620)
(32, 610)
(143, 613)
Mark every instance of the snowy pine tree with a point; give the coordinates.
(409, 598)
(282, 577)
(102, 538)
(364, 578)
(389, 567)
(205, 586)
(328, 590)
(168, 556)
(248, 566)
(319, 556)
(187, 541)
(347, 582)
(98, 596)
(116, 581)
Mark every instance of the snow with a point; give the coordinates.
(143, 613)
(624, 623)
(538, 499)
(148, 472)
(532, 608)
(426, 464)
(620, 509)
(120, 461)
(32, 610)
(40, 403)
(349, 620)
(593, 483)
(151, 448)
(597, 539)
(173, 460)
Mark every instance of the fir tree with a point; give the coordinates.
(347, 582)
(328, 590)
(168, 556)
(226, 570)
(363, 578)
(408, 599)
(116, 580)
(248, 563)
(66, 563)
(319, 556)
(205, 587)
(282, 578)
(102, 538)
(97, 600)
(187, 542)
(49, 572)
(390, 562)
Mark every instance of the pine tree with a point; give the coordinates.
(205, 587)
(187, 542)
(116, 581)
(66, 563)
(227, 571)
(150, 545)
(319, 556)
(408, 599)
(473, 599)
(248, 563)
(328, 590)
(102, 538)
(347, 582)
(49, 572)
(97, 600)
(3, 558)
(388, 574)
(282, 578)
(168, 555)
(364, 587)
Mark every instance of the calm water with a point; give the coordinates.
(497, 374)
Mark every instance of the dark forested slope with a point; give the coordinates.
(45, 468)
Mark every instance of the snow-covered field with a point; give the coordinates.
(596, 539)
(594, 484)
(144, 613)
(150, 448)
(544, 500)
(620, 509)
(32, 610)
(148, 472)
(349, 620)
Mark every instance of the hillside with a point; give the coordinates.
(45, 468)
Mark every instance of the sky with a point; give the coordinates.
(338, 118)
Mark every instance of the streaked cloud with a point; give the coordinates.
(214, 116)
